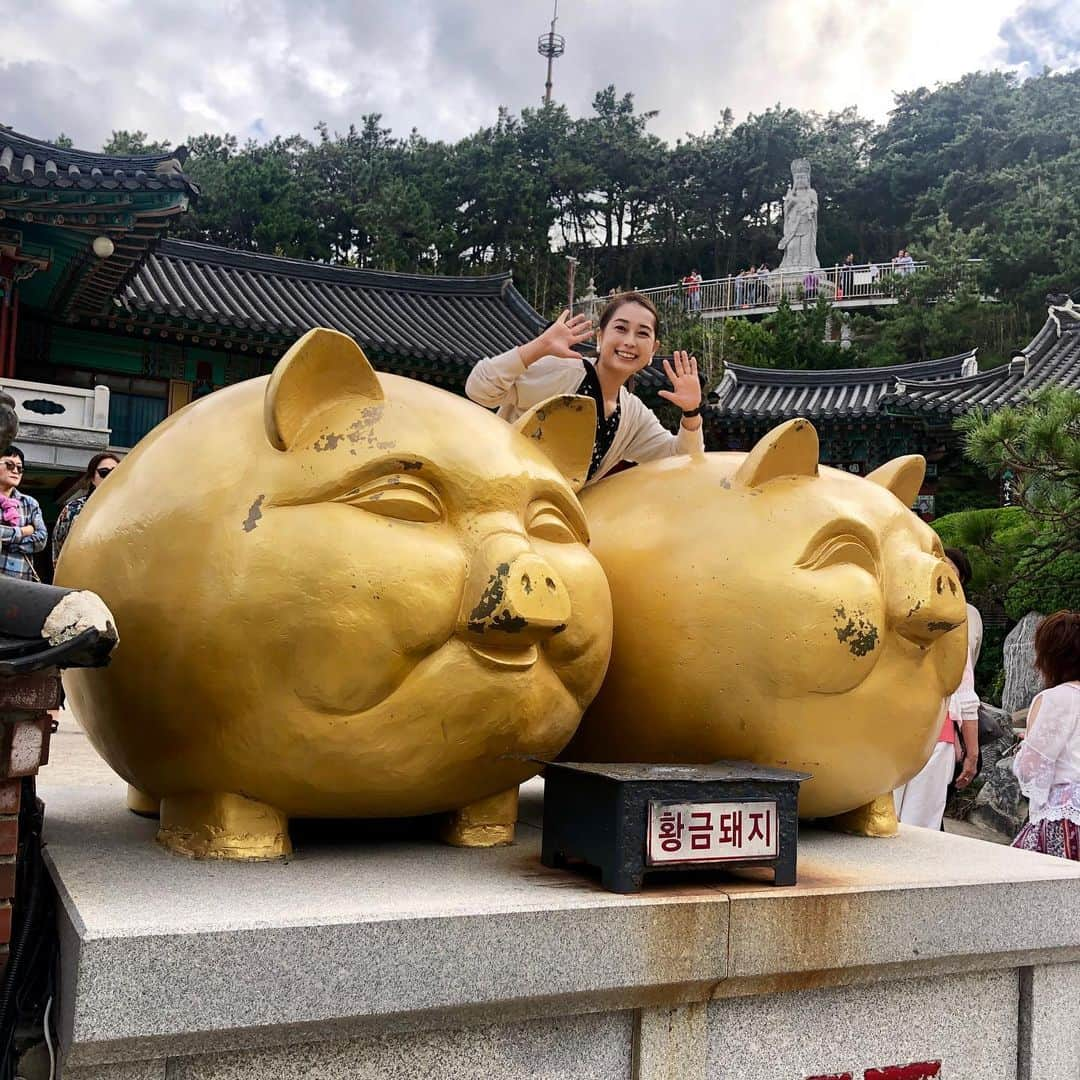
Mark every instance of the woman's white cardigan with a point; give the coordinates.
(506, 383)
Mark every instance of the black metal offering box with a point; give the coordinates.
(632, 819)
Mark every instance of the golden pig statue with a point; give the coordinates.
(773, 610)
(342, 594)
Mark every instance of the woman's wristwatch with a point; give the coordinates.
(688, 413)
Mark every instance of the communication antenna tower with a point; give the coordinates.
(551, 45)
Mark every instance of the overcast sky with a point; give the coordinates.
(264, 67)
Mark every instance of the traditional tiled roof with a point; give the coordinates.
(61, 200)
(1051, 359)
(37, 164)
(442, 320)
(776, 394)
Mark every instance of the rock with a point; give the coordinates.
(999, 805)
(994, 724)
(1022, 681)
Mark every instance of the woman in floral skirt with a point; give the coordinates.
(1048, 763)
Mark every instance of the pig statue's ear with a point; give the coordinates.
(322, 368)
(565, 428)
(788, 450)
(903, 476)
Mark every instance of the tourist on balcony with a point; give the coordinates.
(763, 283)
(692, 284)
(751, 286)
(903, 264)
(740, 289)
(22, 528)
(99, 468)
(1048, 763)
(626, 341)
(847, 275)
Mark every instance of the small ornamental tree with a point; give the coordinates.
(1038, 445)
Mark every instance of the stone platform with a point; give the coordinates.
(402, 958)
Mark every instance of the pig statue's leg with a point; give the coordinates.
(486, 823)
(141, 803)
(875, 818)
(222, 825)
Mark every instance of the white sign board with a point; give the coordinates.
(711, 832)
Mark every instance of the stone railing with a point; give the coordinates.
(60, 426)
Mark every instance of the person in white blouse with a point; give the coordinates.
(627, 338)
(1048, 762)
(974, 620)
(921, 801)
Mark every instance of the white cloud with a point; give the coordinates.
(444, 66)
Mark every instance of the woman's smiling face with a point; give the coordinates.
(628, 342)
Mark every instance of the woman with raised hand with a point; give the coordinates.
(627, 338)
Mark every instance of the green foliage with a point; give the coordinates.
(1025, 557)
(1038, 445)
(1044, 586)
(132, 144)
(1008, 568)
(794, 336)
(993, 540)
(984, 167)
(1008, 574)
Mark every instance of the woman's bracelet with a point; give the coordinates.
(688, 413)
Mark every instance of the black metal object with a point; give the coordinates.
(600, 813)
(25, 607)
(27, 982)
(41, 631)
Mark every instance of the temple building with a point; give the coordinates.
(107, 326)
(865, 416)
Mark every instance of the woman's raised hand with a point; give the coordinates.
(685, 388)
(559, 339)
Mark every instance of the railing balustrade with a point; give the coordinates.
(843, 286)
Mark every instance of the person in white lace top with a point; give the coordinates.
(1048, 763)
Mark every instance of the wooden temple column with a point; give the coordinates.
(7, 288)
(8, 366)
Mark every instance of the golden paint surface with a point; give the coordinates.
(342, 594)
(771, 610)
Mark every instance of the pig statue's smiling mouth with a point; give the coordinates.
(519, 657)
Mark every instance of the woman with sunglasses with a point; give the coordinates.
(99, 468)
(22, 528)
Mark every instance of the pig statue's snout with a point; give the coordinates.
(929, 600)
(513, 596)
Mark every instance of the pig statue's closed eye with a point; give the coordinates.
(342, 594)
(773, 610)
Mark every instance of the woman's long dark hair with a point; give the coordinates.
(86, 481)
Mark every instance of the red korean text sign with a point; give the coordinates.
(711, 832)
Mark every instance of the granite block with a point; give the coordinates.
(671, 1044)
(357, 943)
(1050, 1022)
(123, 1070)
(922, 898)
(595, 1045)
(966, 1022)
(168, 955)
